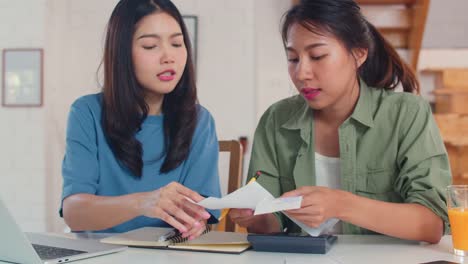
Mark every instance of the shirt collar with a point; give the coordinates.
(301, 118)
(363, 111)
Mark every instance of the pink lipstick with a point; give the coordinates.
(310, 93)
(167, 75)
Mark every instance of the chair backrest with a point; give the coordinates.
(234, 148)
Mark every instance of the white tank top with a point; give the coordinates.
(327, 174)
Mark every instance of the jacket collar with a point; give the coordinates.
(302, 118)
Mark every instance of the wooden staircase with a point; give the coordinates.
(402, 22)
(451, 115)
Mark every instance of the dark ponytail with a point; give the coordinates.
(384, 67)
(343, 18)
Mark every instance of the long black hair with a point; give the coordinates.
(343, 19)
(124, 106)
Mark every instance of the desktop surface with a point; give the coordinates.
(357, 249)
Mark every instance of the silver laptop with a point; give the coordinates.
(31, 248)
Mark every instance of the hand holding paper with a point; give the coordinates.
(252, 196)
(319, 202)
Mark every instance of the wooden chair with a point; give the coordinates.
(235, 176)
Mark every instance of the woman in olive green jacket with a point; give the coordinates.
(351, 146)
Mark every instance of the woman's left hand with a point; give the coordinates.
(318, 204)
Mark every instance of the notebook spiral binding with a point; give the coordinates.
(177, 238)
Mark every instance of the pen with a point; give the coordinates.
(255, 177)
(224, 212)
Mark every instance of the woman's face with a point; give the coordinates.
(322, 69)
(159, 54)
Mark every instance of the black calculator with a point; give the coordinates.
(291, 242)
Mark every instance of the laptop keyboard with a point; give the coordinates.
(48, 252)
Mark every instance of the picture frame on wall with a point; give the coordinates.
(22, 77)
(191, 22)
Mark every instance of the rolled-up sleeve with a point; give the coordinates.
(80, 165)
(264, 159)
(423, 162)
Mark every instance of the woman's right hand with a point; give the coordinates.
(170, 204)
(265, 223)
(242, 217)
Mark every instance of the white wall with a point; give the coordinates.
(272, 79)
(75, 36)
(226, 63)
(446, 25)
(22, 174)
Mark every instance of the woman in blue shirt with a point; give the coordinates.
(137, 152)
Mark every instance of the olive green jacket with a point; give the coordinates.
(390, 150)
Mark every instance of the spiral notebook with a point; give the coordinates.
(169, 238)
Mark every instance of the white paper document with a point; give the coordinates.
(323, 228)
(267, 206)
(254, 196)
(246, 197)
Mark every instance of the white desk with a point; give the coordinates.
(348, 249)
